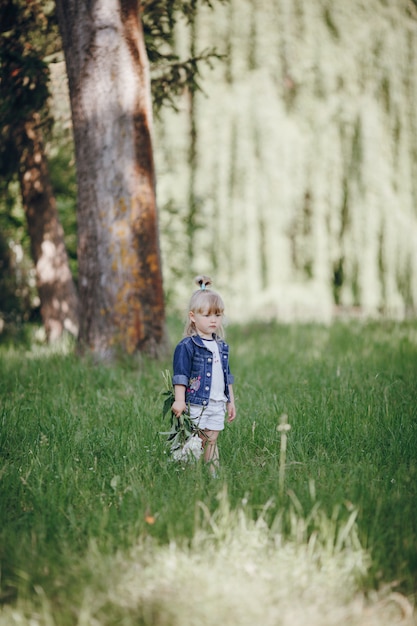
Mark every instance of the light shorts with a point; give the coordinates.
(211, 416)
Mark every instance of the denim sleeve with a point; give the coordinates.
(230, 377)
(182, 364)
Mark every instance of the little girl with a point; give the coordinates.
(202, 378)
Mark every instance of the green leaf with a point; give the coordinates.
(167, 406)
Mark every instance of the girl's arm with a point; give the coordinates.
(179, 405)
(231, 409)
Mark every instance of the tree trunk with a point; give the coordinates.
(120, 278)
(56, 289)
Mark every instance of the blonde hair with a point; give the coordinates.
(204, 300)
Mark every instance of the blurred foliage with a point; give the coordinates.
(62, 174)
(170, 74)
(28, 42)
(18, 297)
(28, 38)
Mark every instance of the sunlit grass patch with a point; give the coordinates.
(235, 570)
(241, 571)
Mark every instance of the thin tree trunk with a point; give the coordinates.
(56, 289)
(120, 278)
(192, 218)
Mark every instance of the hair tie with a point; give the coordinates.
(203, 282)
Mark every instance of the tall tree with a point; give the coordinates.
(56, 289)
(120, 277)
(24, 92)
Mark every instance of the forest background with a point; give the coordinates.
(291, 177)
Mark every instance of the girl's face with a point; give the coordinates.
(206, 323)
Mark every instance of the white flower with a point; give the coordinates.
(191, 450)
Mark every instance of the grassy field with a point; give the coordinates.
(99, 527)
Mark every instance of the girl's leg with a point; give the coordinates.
(211, 451)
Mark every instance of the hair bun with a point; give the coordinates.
(203, 281)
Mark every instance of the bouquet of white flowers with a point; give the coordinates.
(185, 439)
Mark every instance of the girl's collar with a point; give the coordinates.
(199, 340)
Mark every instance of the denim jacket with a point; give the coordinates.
(193, 365)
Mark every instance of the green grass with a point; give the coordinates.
(87, 490)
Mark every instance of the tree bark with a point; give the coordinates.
(120, 277)
(56, 289)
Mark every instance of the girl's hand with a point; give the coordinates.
(178, 407)
(231, 411)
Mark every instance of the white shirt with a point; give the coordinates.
(217, 378)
